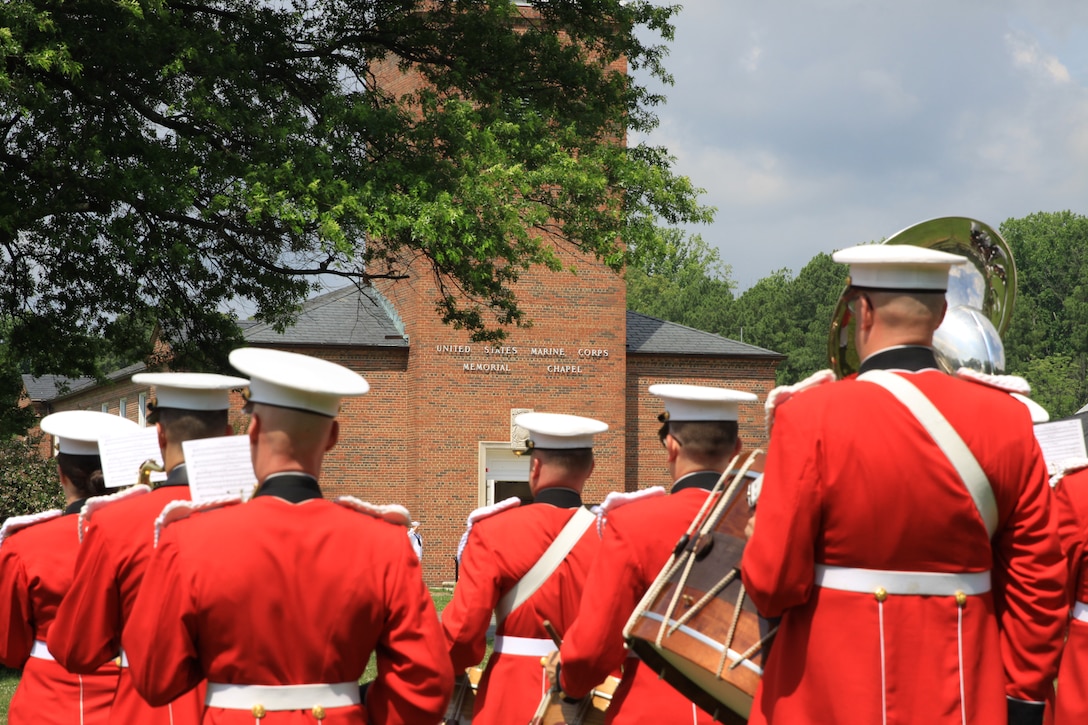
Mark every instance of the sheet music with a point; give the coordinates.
(219, 467)
(1061, 440)
(123, 455)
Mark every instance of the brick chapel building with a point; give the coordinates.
(436, 431)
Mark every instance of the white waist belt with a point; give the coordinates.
(1080, 612)
(919, 583)
(39, 651)
(527, 646)
(282, 697)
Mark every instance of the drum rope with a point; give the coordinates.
(747, 654)
(675, 560)
(724, 503)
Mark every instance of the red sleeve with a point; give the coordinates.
(160, 635)
(1029, 579)
(466, 618)
(593, 646)
(87, 630)
(415, 678)
(1072, 526)
(778, 566)
(16, 613)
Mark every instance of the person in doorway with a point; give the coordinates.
(526, 565)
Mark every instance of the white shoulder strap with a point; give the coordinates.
(549, 561)
(947, 439)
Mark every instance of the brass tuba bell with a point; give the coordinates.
(145, 471)
(980, 298)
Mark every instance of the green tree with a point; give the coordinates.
(28, 482)
(791, 315)
(163, 158)
(1047, 340)
(686, 283)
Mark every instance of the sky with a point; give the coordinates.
(814, 125)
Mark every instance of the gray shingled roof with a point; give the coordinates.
(51, 387)
(48, 387)
(650, 335)
(349, 316)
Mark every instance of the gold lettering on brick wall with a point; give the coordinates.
(509, 354)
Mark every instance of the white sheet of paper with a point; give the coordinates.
(123, 455)
(219, 467)
(1060, 441)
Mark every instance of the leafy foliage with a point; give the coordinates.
(28, 483)
(687, 284)
(168, 160)
(1047, 340)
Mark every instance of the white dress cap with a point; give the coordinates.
(551, 431)
(191, 391)
(898, 267)
(300, 382)
(699, 402)
(78, 431)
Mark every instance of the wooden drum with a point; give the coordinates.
(590, 710)
(695, 627)
(459, 711)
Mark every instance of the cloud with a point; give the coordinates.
(1026, 53)
(818, 125)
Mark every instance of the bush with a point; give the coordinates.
(28, 482)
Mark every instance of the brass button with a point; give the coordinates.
(258, 711)
(961, 599)
(543, 661)
(319, 712)
(881, 594)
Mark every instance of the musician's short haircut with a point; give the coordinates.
(180, 425)
(572, 461)
(85, 473)
(705, 441)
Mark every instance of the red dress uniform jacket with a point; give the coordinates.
(1071, 502)
(498, 552)
(289, 591)
(117, 541)
(853, 480)
(636, 542)
(35, 570)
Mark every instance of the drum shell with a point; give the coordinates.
(690, 657)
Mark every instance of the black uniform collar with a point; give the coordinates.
(178, 476)
(564, 498)
(75, 507)
(705, 480)
(904, 357)
(293, 487)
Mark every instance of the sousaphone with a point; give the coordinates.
(980, 298)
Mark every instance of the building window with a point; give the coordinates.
(142, 412)
(122, 408)
(105, 407)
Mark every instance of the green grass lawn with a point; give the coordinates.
(10, 678)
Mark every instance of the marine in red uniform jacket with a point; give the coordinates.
(35, 571)
(498, 552)
(1071, 502)
(636, 542)
(117, 542)
(289, 589)
(853, 481)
